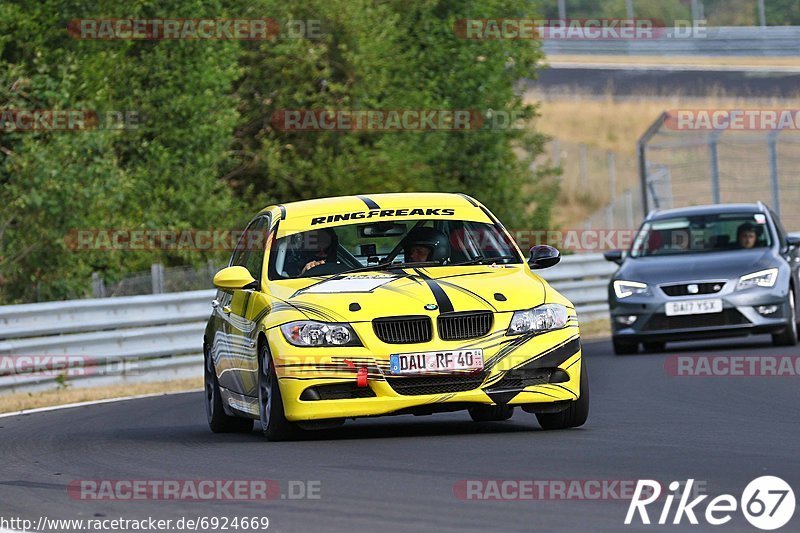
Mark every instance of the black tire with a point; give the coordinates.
(218, 420)
(624, 347)
(573, 416)
(270, 403)
(654, 347)
(788, 337)
(491, 413)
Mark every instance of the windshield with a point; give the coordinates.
(703, 233)
(383, 245)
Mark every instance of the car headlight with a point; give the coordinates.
(539, 319)
(311, 333)
(762, 278)
(623, 289)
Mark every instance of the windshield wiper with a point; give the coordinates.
(389, 266)
(479, 260)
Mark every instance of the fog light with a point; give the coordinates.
(626, 320)
(767, 309)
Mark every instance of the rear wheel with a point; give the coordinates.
(573, 416)
(218, 420)
(491, 413)
(624, 347)
(270, 403)
(788, 337)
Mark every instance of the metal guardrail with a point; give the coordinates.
(723, 40)
(159, 337)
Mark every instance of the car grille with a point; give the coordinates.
(519, 379)
(682, 289)
(415, 386)
(728, 317)
(468, 325)
(403, 329)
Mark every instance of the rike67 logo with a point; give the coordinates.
(767, 503)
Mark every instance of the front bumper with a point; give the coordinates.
(519, 370)
(739, 315)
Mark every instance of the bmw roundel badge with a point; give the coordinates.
(431, 307)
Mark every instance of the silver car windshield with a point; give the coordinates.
(702, 234)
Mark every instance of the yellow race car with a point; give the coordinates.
(412, 303)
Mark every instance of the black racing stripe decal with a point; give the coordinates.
(442, 300)
(369, 201)
(555, 357)
(469, 199)
(469, 293)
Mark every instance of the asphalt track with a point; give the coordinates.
(653, 82)
(399, 473)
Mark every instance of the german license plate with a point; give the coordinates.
(444, 361)
(694, 307)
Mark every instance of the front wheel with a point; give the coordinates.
(788, 337)
(218, 420)
(573, 416)
(270, 403)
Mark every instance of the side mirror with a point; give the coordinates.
(233, 278)
(615, 256)
(793, 240)
(543, 256)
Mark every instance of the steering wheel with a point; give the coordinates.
(325, 269)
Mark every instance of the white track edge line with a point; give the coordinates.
(91, 402)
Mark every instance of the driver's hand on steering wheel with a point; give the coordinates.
(312, 264)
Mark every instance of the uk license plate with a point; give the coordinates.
(443, 361)
(694, 307)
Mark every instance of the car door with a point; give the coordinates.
(240, 316)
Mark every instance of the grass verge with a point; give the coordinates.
(32, 400)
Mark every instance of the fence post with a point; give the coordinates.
(98, 286)
(714, 160)
(157, 276)
(610, 216)
(612, 176)
(773, 171)
(556, 147)
(628, 209)
(582, 163)
(642, 146)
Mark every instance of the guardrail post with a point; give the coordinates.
(157, 276)
(612, 175)
(98, 286)
(773, 171)
(714, 160)
(582, 164)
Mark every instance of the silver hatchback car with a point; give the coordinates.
(701, 272)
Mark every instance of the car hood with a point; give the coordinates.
(696, 267)
(413, 292)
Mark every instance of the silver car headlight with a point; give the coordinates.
(312, 333)
(623, 289)
(762, 278)
(546, 317)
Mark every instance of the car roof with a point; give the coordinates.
(375, 201)
(711, 209)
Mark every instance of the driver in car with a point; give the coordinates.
(317, 247)
(425, 244)
(747, 235)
